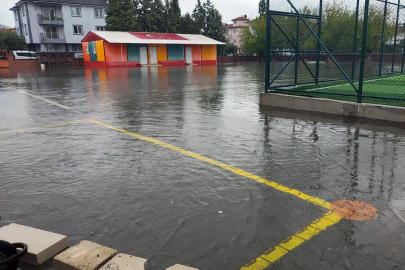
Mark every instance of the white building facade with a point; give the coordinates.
(234, 31)
(58, 25)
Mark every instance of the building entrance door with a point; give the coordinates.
(153, 56)
(143, 55)
(189, 55)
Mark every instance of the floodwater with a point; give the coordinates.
(90, 182)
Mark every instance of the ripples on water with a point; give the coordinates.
(92, 183)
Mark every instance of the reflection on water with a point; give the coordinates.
(91, 183)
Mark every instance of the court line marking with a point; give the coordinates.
(281, 249)
(333, 86)
(34, 128)
(287, 245)
(301, 195)
(41, 98)
(276, 253)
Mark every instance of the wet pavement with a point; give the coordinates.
(90, 182)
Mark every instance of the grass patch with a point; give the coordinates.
(385, 90)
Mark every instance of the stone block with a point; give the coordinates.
(42, 245)
(84, 255)
(180, 267)
(125, 262)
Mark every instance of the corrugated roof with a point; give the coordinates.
(127, 37)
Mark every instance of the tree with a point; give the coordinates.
(187, 24)
(12, 41)
(166, 16)
(262, 8)
(375, 25)
(198, 17)
(230, 48)
(213, 23)
(159, 16)
(254, 37)
(120, 16)
(174, 17)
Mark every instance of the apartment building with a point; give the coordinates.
(58, 25)
(233, 31)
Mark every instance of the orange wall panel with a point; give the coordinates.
(161, 50)
(208, 52)
(196, 52)
(86, 56)
(100, 51)
(115, 52)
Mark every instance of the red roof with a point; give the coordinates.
(4, 30)
(234, 26)
(91, 37)
(159, 36)
(241, 19)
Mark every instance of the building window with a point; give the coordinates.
(76, 11)
(100, 28)
(77, 48)
(49, 13)
(25, 29)
(94, 49)
(87, 49)
(98, 12)
(22, 10)
(234, 31)
(51, 32)
(53, 48)
(78, 29)
(15, 15)
(17, 30)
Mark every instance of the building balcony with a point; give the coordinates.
(50, 20)
(51, 38)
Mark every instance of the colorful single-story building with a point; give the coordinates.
(108, 49)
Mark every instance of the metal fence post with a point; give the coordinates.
(403, 54)
(363, 51)
(395, 38)
(355, 39)
(267, 52)
(383, 37)
(297, 51)
(318, 48)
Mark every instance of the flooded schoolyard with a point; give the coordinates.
(132, 158)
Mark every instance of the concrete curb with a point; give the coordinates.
(337, 107)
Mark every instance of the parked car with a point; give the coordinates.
(24, 55)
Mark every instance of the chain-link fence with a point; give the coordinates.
(350, 50)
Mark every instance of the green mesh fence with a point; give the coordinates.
(349, 50)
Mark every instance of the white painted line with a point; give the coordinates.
(338, 85)
(43, 99)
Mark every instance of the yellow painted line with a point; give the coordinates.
(34, 128)
(294, 241)
(224, 166)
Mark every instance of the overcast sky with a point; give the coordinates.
(229, 9)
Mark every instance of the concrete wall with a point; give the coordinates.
(237, 59)
(327, 106)
(87, 19)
